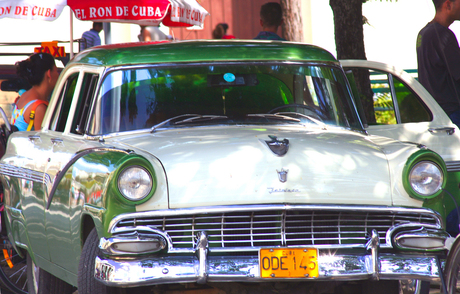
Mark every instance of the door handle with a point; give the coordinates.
(448, 130)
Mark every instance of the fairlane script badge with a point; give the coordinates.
(282, 190)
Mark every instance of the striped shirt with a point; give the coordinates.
(92, 39)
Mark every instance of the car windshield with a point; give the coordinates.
(155, 98)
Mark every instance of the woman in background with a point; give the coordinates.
(220, 32)
(29, 109)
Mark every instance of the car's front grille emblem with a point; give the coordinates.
(278, 147)
(282, 175)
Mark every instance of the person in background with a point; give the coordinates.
(152, 33)
(271, 18)
(438, 58)
(29, 109)
(218, 32)
(226, 35)
(91, 37)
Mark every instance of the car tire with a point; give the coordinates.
(40, 281)
(87, 283)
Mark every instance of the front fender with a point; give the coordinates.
(92, 177)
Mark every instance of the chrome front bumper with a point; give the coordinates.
(179, 269)
(202, 267)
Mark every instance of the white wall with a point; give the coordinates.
(390, 36)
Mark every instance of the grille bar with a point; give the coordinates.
(303, 226)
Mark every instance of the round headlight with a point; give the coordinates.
(426, 178)
(135, 183)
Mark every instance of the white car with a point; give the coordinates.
(404, 110)
(201, 164)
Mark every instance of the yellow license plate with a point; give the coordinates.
(288, 263)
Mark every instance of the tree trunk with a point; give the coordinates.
(349, 41)
(292, 29)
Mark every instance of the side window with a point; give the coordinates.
(411, 107)
(84, 103)
(384, 107)
(61, 112)
(393, 101)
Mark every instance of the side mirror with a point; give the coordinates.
(14, 85)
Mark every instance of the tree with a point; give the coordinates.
(349, 41)
(292, 26)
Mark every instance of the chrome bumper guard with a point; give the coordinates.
(203, 268)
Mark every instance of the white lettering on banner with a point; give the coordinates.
(92, 12)
(118, 11)
(98, 12)
(78, 13)
(145, 11)
(126, 10)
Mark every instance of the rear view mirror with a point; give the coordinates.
(232, 80)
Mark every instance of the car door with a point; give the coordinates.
(402, 109)
(64, 137)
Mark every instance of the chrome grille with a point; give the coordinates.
(453, 166)
(280, 227)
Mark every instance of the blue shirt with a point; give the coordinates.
(17, 119)
(92, 39)
(268, 36)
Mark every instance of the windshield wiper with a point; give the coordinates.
(201, 118)
(274, 116)
(191, 117)
(316, 121)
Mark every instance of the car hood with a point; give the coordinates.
(234, 165)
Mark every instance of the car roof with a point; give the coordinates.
(200, 51)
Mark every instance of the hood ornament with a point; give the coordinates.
(278, 147)
(282, 175)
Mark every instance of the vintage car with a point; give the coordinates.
(404, 110)
(222, 164)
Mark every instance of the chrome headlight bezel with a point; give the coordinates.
(135, 183)
(426, 178)
(424, 165)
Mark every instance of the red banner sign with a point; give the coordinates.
(143, 12)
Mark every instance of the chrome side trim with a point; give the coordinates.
(332, 266)
(453, 166)
(25, 173)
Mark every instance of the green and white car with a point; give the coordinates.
(221, 164)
